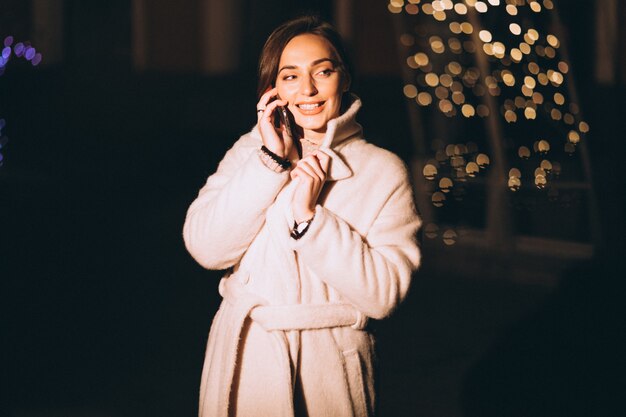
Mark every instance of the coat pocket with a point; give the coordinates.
(356, 383)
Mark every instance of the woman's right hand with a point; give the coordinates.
(276, 140)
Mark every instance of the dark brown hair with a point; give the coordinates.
(273, 48)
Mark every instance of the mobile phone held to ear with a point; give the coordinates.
(282, 114)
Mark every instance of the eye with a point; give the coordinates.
(289, 77)
(326, 72)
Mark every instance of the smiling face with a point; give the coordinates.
(309, 80)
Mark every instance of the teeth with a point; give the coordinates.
(308, 106)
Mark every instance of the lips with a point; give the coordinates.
(309, 109)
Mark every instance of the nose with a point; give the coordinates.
(307, 87)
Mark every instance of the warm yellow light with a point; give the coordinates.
(439, 15)
(445, 106)
(484, 35)
(514, 172)
(467, 28)
(429, 171)
(454, 68)
(441, 92)
(412, 9)
(529, 82)
(530, 113)
(481, 7)
(523, 153)
(559, 99)
(468, 110)
(499, 49)
(508, 79)
(511, 9)
(510, 116)
(394, 9)
(543, 146)
(535, 7)
(525, 48)
(514, 183)
(410, 91)
(455, 27)
(573, 136)
(437, 45)
(515, 28)
(460, 8)
(583, 127)
(424, 99)
(516, 55)
(421, 59)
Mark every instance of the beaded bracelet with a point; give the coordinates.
(283, 162)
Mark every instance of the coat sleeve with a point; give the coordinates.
(230, 208)
(372, 272)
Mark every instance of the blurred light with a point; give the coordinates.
(535, 7)
(515, 28)
(511, 9)
(480, 7)
(18, 49)
(573, 137)
(424, 99)
(540, 181)
(514, 183)
(430, 172)
(543, 146)
(410, 91)
(460, 8)
(412, 9)
(445, 184)
(29, 53)
(438, 199)
(8, 41)
(431, 230)
(449, 237)
(482, 160)
(583, 127)
(484, 35)
(407, 40)
(468, 110)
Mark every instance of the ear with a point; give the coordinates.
(346, 84)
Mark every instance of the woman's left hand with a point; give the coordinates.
(312, 173)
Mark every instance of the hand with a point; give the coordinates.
(312, 174)
(279, 140)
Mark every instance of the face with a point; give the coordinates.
(309, 80)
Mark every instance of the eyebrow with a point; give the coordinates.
(314, 63)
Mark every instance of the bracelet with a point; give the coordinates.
(269, 162)
(299, 229)
(283, 162)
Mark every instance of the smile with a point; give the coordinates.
(310, 108)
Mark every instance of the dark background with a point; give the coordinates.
(103, 312)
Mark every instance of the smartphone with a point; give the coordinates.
(284, 116)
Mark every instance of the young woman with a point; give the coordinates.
(317, 229)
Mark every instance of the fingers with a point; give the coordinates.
(268, 113)
(323, 158)
(265, 98)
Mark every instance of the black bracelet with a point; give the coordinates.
(283, 162)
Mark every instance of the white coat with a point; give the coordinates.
(289, 335)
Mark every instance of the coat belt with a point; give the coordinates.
(295, 316)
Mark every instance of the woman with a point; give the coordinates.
(317, 229)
